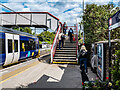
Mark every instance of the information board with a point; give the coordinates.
(114, 21)
(100, 61)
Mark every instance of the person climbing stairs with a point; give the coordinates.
(67, 54)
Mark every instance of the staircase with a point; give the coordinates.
(67, 54)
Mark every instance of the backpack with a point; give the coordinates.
(62, 37)
(71, 31)
(83, 53)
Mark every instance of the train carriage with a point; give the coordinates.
(16, 45)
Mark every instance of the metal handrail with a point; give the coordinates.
(55, 42)
(77, 42)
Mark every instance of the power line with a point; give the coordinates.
(19, 14)
(6, 21)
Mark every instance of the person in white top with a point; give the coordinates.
(61, 39)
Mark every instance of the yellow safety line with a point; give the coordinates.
(66, 62)
(19, 72)
(13, 76)
(34, 63)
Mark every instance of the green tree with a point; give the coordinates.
(95, 22)
(115, 70)
(46, 36)
(27, 30)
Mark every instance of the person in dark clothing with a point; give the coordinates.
(70, 34)
(65, 28)
(83, 55)
(62, 39)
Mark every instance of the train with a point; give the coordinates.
(16, 46)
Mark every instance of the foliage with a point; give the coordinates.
(40, 42)
(26, 29)
(115, 84)
(96, 23)
(116, 69)
(97, 85)
(46, 36)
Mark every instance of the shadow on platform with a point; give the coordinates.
(71, 78)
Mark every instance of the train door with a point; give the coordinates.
(9, 48)
(16, 48)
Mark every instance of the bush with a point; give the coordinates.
(116, 70)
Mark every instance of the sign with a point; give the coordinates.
(100, 61)
(119, 4)
(114, 21)
(110, 21)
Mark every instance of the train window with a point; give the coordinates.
(26, 45)
(2, 46)
(34, 45)
(30, 45)
(9, 45)
(37, 46)
(16, 45)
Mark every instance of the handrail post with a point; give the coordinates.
(51, 55)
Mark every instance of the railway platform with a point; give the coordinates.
(40, 74)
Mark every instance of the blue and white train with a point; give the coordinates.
(16, 45)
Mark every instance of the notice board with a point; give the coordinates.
(100, 61)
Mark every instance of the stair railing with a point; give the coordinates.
(77, 43)
(55, 42)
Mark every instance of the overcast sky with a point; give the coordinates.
(65, 10)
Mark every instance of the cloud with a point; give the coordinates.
(14, 6)
(65, 10)
(26, 9)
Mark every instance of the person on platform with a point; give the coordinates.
(65, 28)
(83, 57)
(70, 34)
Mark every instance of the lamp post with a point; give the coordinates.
(109, 41)
(83, 25)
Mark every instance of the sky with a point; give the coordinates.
(66, 10)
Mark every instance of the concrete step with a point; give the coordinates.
(63, 50)
(74, 53)
(69, 45)
(64, 55)
(67, 48)
(64, 60)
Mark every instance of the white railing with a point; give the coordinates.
(55, 42)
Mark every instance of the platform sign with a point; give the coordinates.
(114, 21)
(100, 61)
